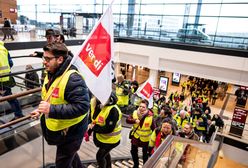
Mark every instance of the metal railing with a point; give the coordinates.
(172, 149)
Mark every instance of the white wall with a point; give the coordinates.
(224, 68)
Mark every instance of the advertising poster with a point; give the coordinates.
(176, 78)
(242, 94)
(163, 84)
(238, 121)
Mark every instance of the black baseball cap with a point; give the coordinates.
(52, 32)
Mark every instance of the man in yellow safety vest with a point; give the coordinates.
(64, 106)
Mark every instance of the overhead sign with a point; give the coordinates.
(238, 121)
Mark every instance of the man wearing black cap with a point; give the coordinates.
(51, 36)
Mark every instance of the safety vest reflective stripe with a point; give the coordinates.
(114, 133)
(141, 135)
(4, 67)
(148, 130)
(57, 97)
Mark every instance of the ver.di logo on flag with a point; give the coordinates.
(147, 90)
(97, 51)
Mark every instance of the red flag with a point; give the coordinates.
(145, 91)
(97, 51)
(95, 57)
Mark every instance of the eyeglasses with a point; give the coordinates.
(47, 59)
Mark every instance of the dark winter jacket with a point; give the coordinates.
(77, 96)
(6, 23)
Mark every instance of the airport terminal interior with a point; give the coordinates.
(193, 53)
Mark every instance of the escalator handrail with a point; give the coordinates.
(14, 122)
(21, 72)
(24, 93)
(28, 80)
(157, 154)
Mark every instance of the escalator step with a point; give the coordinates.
(120, 164)
(140, 163)
(127, 164)
(130, 161)
(114, 166)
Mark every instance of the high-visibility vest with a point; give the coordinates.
(205, 99)
(4, 63)
(122, 99)
(156, 139)
(155, 109)
(137, 100)
(200, 128)
(194, 94)
(115, 135)
(57, 97)
(181, 122)
(145, 131)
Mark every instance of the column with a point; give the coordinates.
(153, 75)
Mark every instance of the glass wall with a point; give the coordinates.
(218, 23)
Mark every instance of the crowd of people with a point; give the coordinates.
(66, 102)
(186, 114)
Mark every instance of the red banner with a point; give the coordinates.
(97, 51)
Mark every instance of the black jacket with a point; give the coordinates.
(6, 23)
(77, 96)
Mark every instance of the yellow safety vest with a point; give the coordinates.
(205, 99)
(137, 100)
(4, 63)
(155, 109)
(200, 128)
(179, 121)
(57, 97)
(145, 131)
(115, 135)
(122, 99)
(153, 138)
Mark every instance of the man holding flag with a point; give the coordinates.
(64, 106)
(65, 93)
